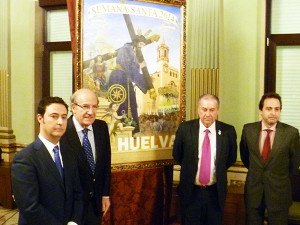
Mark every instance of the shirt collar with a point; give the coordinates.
(264, 127)
(78, 127)
(47, 143)
(212, 128)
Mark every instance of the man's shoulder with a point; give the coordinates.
(99, 123)
(70, 123)
(287, 127)
(29, 150)
(252, 125)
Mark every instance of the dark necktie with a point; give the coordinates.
(57, 161)
(204, 175)
(267, 146)
(88, 149)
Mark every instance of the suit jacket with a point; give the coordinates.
(270, 179)
(185, 152)
(40, 194)
(97, 185)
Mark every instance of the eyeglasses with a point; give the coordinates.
(88, 107)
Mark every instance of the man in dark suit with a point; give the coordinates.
(270, 150)
(205, 149)
(44, 175)
(94, 155)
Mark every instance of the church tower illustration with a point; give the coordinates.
(166, 81)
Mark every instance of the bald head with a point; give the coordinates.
(82, 92)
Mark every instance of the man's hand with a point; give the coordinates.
(105, 205)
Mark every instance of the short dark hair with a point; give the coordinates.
(269, 95)
(41, 109)
(209, 96)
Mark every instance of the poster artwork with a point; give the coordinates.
(131, 59)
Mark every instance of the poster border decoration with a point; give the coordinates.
(143, 159)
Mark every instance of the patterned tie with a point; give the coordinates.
(267, 146)
(57, 161)
(204, 175)
(88, 149)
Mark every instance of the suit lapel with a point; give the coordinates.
(195, 137)
(279, 136)
(74, 142)
(219, 138)
(48, 163)
(67, 165)
(254, 136)
(73, 137)
(97, 140)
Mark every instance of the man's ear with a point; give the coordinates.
(39, 118)
(72, 107)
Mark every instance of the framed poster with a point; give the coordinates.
(132, 55)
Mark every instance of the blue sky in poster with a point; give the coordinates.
(107, 32)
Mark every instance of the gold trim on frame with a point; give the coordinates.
(78, 71)
(143, 164)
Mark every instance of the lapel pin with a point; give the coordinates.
(219, 132)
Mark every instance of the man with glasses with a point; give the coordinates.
(89, 139)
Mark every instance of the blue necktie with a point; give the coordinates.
(57, 161)
(88, 149)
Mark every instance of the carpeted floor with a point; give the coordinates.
(8, 217)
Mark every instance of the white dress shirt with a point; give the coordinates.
(50, 146)
(91, 138)
(213, 145)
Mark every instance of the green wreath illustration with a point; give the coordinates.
(117, 94)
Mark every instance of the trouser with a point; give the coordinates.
(204, 208)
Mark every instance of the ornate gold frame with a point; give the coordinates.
(78, 68)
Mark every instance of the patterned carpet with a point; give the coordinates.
(8, 217)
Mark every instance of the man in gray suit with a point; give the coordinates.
(270, 150)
